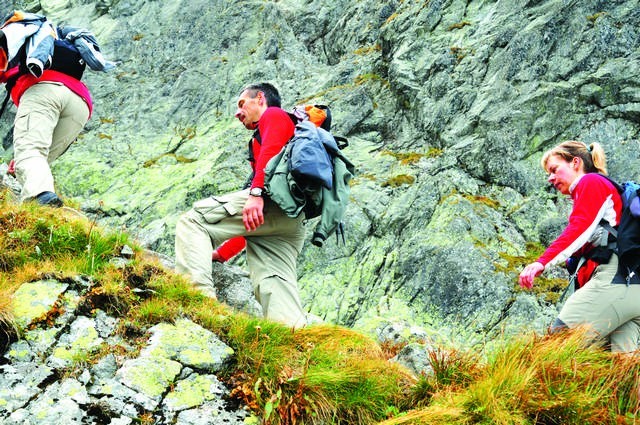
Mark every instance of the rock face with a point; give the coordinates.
(447, 104)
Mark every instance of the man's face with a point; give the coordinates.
(250, 109)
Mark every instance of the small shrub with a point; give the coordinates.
(458, 25)
(593, 18)
(399, 180)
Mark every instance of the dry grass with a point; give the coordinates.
(8, 328)
(560, 379)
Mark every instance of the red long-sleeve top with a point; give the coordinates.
(231, 247)
(594, 198)
(27, 80)
(275, 128)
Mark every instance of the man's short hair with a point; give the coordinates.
(270, 93)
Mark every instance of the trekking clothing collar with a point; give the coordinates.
(575, 183)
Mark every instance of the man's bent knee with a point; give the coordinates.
(189, 223)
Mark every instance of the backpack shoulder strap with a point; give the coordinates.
(609, 228)
(617, 185)
(255, 136)
(342, 142)
(4, 103)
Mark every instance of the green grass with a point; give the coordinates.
(321, 374)
(30, 234)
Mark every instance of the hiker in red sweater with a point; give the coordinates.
(604, 301)
(273, 240)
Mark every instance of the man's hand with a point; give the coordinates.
(252, 215)
(529, 273)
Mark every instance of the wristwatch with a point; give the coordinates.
(256, 191)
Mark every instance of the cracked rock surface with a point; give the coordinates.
(46, 376)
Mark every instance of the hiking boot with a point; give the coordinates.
(50, 199)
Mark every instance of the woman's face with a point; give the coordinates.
(562, 173)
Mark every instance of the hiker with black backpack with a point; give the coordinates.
(273, 240)
(42, 66)
(606, 301)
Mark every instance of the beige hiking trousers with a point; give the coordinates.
(611, 310)
(272, 250)
(49, 118)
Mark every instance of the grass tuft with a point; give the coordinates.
(559, 379)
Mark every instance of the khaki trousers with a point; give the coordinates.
(49, 118)
(272, 250)
(611, 310)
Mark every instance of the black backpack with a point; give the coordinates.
(627, 234)
(67, 59)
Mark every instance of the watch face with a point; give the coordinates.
(256, 191)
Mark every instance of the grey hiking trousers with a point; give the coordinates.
(272, 250)
(611, 310)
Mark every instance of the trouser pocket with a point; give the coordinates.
(216, 208)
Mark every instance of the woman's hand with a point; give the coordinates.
(529, 273)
